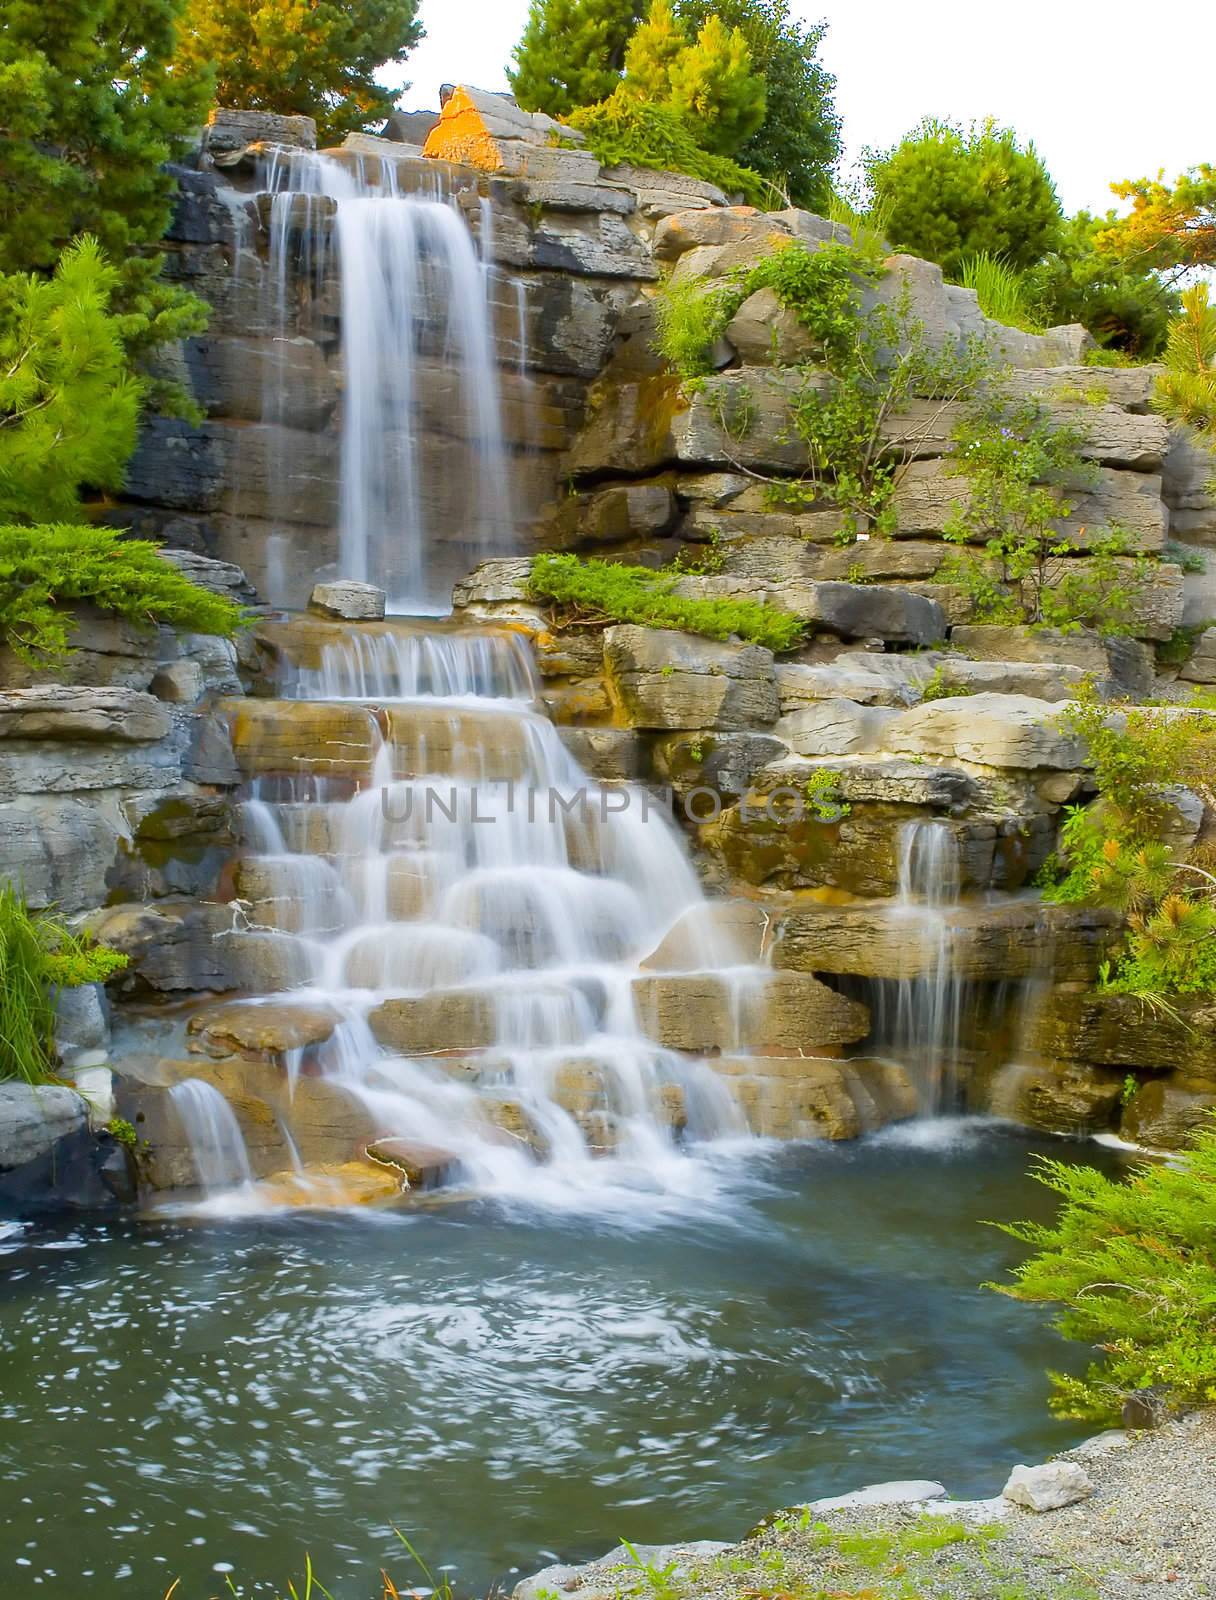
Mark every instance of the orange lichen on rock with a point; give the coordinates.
(461, 134)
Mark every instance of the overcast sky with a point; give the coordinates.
(1099, 92)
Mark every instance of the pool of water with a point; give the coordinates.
(508, 1382)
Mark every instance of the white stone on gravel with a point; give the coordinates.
(1050, 1487)
(356, 602)
(606, 1578)
(900, 1492)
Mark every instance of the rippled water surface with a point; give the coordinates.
(507, 1382)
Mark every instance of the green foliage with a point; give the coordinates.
(1003, 291)
(1171, 228)
(1186, 391)
(706, 79)
(624, 130)
(938, 687)
(572, 53)
(797, 144)
(597, 592)
(1134, 1266)
(823, 797)
(1112, 852)
(92, 106)
(316, 60)
(44, 571)
(1021, 467)
(1122, 303)
(69, 411)
(874, 365)
(954, 193)
(39, 954)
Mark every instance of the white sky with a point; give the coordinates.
(1101, 90)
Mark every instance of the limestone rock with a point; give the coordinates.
(1166, 1113)
(1078, 1025)
(1125, 662)
(716, 933)
(763, 330)
(180, 683)
(864, 678)
(356, 602)
(661, 194)
(607, 754)
(1201, 668)
(601, 1580)
(1049, 1487)
(834, 727)
(260, 1031)
(777, 1015)
(1074, 1099)
(75, 713)
(664, 679)
(906, 1492)
(799, 1097)
(1185, 479)
(106, 651)
(633, 511)
(991, 730)
(228, 131)
(688, 230)
(494, 582)
(725, 763)
(454, 1020)
(34, 1118)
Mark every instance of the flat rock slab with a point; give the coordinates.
(909, 1491)
(664, 679)
(356, 602)
(70, 711)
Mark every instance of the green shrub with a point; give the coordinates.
(39, 954)
(705, 75)
(45, 571)
(938, 687)
(625, 131)
(1123, 303)
(1134, 1266)
(597, 592)
(955, 192)
(1022, 466)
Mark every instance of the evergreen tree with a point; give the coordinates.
(91, 107)
(1170, 228)
(947, 194)
(797, 144)
(314, 58)
(572, 53)
(707, 80)
(69, 409)
(1124, 304)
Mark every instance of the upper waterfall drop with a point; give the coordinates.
(418, 352)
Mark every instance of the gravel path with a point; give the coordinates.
(1148, 1529)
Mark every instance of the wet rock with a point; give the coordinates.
(300, 736)
(1075, 1098)
(357, 602)
(991, 730)
(81, 1021)
(724, 763)
(1166, 1113)
(715, 933)
(423, 1166)
(260, 1031)
(796, 1097)
(1120, 1031)
(778, 1014)
(1049, 1487)
(34, 1118)
(608, 754)
(454, 1020)
(663, 679)
(172, 946)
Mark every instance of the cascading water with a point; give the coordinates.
(214, 1135)
(919, 1018)
(476, 880)
(423, 458)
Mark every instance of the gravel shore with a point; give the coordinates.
(1148, 1528)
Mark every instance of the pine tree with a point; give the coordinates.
(69, 408)
(948, 194)
(91, 108)
(572, 53)
(797, 144)
(314, 58)
(715, 90)
(656, 46)
(1186, 390)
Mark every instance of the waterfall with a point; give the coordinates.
(422, 457)
(919, 1018)
(217, 1147)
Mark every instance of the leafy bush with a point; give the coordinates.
(596, 592)
(1123, 303)
(39, 954)
(44, 571)
(1021, 466)
(1134, 1266)
(876, 363)
(1003, 292)
(625, 131)
(954, 193)
(69, 411)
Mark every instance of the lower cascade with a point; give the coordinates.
(469, 927)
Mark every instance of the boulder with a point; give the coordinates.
(661, 194)
(1075, 1098)
(1127, 663)
(715, 933)
(356, 602)
(260, 1031)
(34, 1118)
(690, 230)
(229, 131)
(990, 730)
(777, 1014)
(1166, 1113)
(723, 762)
(1201, 667)
(834, 727)
(865, 678)
(494, 583)
(763, 330)
(602, 1579)
(1048, 1488)
(848, 610)
(628, 511)
(490, 131)
(72, 712)
(795, 1097)
(663, 679)
(1078, 1025)
(105, 651)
